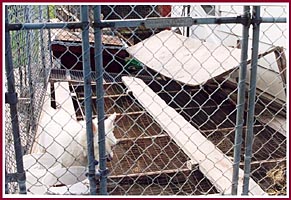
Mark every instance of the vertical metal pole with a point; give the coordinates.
(251, 103)
(100, 100)
(29, 50)
(11, 98)
(88, 97)
(49, 38)
(53, 95)
(6, 182)
(188, 15)
(19, 53)
(42, 47)
(240, 101)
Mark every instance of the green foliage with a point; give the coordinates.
(52, 13)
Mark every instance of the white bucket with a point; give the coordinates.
(36, 167)
(66, 181)
(43, 172)
(75, 189)
(39, 161)
(65, 176)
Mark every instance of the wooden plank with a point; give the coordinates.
(277, 122)
(64, 98)
(194, 62)
(216, 166)
(137, 175)
(120, 140)
(185, 59)
(68, 36)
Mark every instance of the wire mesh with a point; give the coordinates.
(149, 158)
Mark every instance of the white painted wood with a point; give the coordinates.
(64, 98)
(269, 79)
(36, 167)
(216, 166)
(193, 62)
(185, 59)
(277, 122)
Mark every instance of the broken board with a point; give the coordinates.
(187, 60)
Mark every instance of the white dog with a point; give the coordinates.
(75, 153)
(65, 138)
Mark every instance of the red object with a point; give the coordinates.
(165, 10)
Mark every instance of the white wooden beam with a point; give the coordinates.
(213, 163)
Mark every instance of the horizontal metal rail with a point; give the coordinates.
(183, 21)
(31, 26)
(161, 22)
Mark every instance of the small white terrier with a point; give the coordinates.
(66, 139)
(75, 153)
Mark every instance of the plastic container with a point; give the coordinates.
(66, 181)
(65, 176)
(36, 167)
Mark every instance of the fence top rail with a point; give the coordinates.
(159, 22)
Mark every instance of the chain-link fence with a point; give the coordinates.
(177, 99)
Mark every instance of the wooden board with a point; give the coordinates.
(277, 122)
(216, 166)
(185, 59)
(193, 62)
(70, 36)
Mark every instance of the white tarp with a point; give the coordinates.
(185, 59)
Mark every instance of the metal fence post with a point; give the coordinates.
(11, 98)
(240, 100)
(252, 98)
(42, 47)
(88, 96)
(6, 182)
(29, 49)
(49, 38)
(100, 100)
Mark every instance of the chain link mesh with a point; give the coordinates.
(149, 157)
